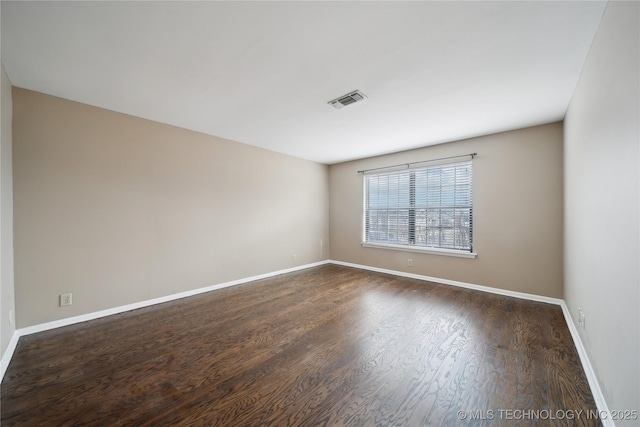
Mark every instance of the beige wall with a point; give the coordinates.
(7, 326)
(602, 200)
(517, 192)
(117, 209)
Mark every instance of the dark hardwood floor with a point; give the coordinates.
(327, 346)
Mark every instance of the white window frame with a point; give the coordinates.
(411, 244)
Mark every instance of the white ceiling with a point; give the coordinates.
(262, 73)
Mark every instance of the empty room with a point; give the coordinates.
(320, 213)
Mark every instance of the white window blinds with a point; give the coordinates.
(429, 207)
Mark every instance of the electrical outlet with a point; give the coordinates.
(581, 319)
(11, 317)
(66, 299)
(293, 258)
(410, 262)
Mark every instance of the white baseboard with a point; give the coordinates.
(596, 391)
(8, 354)
(488, 289)
(584, 359)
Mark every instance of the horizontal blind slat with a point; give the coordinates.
(428, 206)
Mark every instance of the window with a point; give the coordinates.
(421, 208)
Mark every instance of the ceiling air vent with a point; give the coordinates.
(350, 98)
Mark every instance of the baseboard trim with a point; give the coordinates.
(8, 354)
(522, 295)
(596, 391)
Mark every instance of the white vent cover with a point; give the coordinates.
(350, 98)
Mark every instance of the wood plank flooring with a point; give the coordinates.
(327, 346)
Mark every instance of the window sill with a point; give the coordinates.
(433, 251)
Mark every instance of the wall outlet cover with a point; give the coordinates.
(66, 299)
